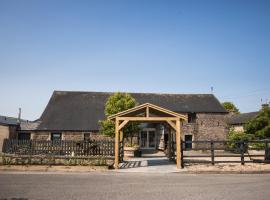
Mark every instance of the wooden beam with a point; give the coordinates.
(122, 124)
(156, 119)
(178, 144)
(164, 110)
(147, 111)
(148, 105)
(116, 150)
(127, 111)
(171, 124)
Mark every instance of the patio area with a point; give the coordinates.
(150, 162)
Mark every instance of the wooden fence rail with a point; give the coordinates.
(211, 149)
(59, 147)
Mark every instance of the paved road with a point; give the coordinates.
(99, 186)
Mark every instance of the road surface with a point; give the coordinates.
(129, 186)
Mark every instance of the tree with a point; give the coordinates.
(260, 125)
(229, 106)
(116, 103)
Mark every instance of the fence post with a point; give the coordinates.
(212, 153)
(182, 154)
(242, 152)
(266, 151)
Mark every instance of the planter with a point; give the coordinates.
(132, 152)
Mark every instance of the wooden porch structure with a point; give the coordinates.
(147, 113)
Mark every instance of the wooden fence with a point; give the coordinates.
(59, 148)
(121, 151)
(246, 151)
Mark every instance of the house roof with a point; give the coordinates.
(29, 125)
(81, 111)
(242, 118)
(9, 121)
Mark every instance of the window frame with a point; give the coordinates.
(89, 135)
(54, 133)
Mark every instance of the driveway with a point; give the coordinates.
(123, 186)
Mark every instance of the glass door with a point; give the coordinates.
(143, 139)
(151, 139)
(148, 139)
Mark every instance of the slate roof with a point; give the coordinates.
(81, 111)
(243, 118)
(23, 125)
(29, 125)
(10, 121)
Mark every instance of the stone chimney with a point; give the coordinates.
(19, 116)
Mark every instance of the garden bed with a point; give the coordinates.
(12, 159)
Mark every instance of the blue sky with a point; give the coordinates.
(135, 46)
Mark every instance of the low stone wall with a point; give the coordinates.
(11, 159)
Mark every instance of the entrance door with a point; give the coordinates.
(148, 139)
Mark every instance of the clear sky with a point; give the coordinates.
(135, 46)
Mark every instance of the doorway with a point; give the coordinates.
(148, 138)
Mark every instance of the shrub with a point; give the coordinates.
(235, 137)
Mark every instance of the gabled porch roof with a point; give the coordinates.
(147, 110)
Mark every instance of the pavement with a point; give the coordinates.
(131, 186)
(145, 164)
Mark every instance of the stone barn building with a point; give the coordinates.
(75, 116)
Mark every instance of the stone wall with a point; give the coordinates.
(4, 133)
(66, 135)
(210, 126)
(40, 135)
(70, 135)
(8, 159)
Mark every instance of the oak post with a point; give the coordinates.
(116, 151)
(178, 144)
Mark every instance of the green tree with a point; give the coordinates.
(229, 106)
(260, 125)
(116, 103)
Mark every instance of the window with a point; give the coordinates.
(56, 136)
(24, 136)
(191, 117)
(188, 139)
(86, 136)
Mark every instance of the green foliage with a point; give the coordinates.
(236, 136)
(229, 106)
(260, 125)
(119, 102)
(107, 127)
(116, 103)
